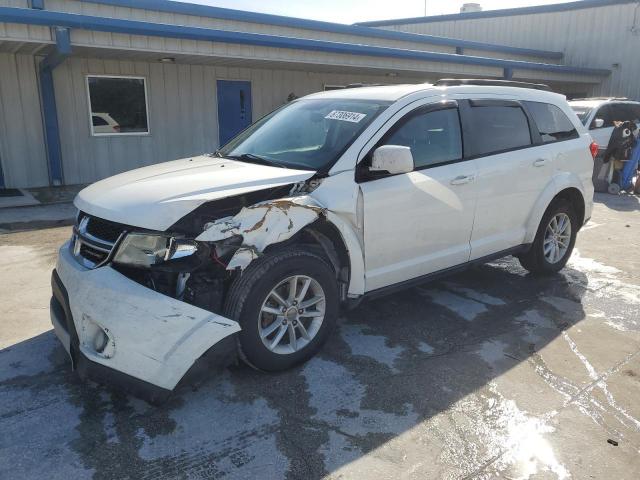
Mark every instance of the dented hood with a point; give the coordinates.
(157, 196)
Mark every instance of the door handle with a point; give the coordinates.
(541, 162)
(462, 179)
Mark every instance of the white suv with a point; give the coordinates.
(598, 115)
(327, 200)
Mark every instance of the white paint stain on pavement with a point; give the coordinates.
(493, 352)
(336, 395)
(486, 436)
(476, 295)
(600, 381)
(367, 345)
(464, 307)
(425, 348)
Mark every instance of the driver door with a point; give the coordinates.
(419, 222)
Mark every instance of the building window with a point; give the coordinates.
(118, 105)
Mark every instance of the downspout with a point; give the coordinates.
(49, 108)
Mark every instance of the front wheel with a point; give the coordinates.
(286, 303)
(554, 240)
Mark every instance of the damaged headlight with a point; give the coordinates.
(146, 250)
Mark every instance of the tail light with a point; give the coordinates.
(116, 128)
(594, 149)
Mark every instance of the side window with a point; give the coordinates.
(629, 112)
(606, 113)
(551, 121)
(494, 129)
(98, 121)
(434, 137)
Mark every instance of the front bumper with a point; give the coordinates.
(153, 340)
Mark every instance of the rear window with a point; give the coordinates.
(582, 113)
(552, 123)
(496, 129)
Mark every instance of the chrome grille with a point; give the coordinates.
(94, 240)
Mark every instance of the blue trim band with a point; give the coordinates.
(49, 107)
(44, 17)
(279, 20)
(505, 12)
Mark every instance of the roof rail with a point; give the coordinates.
(601, 98)
(451, 82)
(360, 85)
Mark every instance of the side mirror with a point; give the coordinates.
(392, 159)
(598, 123)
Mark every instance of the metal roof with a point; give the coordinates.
(505, 12)
(284, 21)
(134, 27)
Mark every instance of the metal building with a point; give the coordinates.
(604, 33)
(90, 88)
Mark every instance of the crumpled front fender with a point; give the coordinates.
(263, 224)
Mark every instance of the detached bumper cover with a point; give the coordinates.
(153, 339)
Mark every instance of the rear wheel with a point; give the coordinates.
(554, 241)
(286, 303)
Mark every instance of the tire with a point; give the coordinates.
(250, 293)
(614, 189)
(535, 260)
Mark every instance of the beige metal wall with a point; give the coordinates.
(87, 8)
(22, 146)
(182, 110)
(591, 37)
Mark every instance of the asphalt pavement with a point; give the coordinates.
(491, 373)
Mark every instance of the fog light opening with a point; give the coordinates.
(100, 341)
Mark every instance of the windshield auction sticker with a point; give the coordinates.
(354, 117)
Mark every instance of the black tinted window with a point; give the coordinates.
(607, 114)
(122, 99)
(552, 123)
(628, 111)
(497, 128)
(434, 137)
(98, 121)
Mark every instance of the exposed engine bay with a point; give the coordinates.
(198, 257)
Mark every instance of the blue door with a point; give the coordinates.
(234, 108)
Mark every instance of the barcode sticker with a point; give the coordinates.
(354, 117)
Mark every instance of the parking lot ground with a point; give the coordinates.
(491, 373)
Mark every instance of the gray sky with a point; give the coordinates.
(350, 11)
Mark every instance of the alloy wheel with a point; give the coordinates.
(292, 314)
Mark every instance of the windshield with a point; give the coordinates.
(582, 113)
(305, 134)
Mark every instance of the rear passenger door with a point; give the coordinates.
(511, 173)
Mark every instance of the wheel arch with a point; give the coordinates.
(341, 247)
(565, 187)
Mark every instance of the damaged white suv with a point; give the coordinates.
(253, 250)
